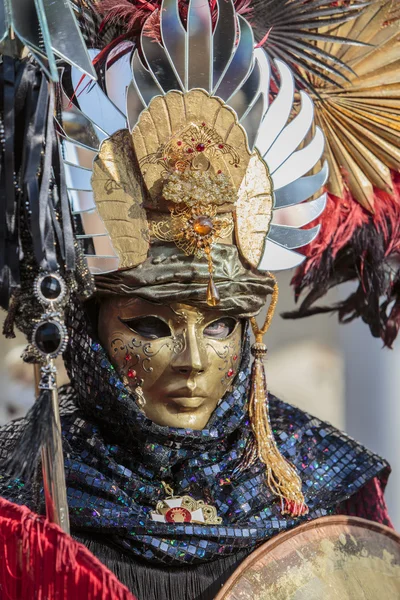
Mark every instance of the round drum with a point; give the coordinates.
(333, 558)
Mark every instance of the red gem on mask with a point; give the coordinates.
(230, 372)
(200, 147)
(131, 373)
(190, 150)
(235, 357)
(127, 356)
(179, 143)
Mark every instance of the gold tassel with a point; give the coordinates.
(282, 477)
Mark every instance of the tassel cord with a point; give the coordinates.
(282, 477)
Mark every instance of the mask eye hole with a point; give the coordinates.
(221, 328)
(151, 328)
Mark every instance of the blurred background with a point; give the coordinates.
(336, 372)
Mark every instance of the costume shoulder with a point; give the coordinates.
(333, 466)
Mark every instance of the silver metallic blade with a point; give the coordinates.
(300, 190)
(244, 98)
(278, 112)
(240, 65)
(251, 122)
(300, 214)
(90, 223)
(292, 135)
(78, 132)
(79, 127)
(77, 178)
(134, 105)
(27, 20)
(200, 57)
(159, 65)
(65, 37)
(76, 154)
(94, 103)
(265, 73)
(145, 83)
(174, 38)
(119, 76)
(300, 162)
(278, 258)
(102, 264)
(81, 201)
(291, 237)
(224, 39)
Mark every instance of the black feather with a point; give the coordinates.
(293, 28)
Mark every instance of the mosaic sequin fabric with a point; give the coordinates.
(116, 458)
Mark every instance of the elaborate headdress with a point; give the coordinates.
(196, 138)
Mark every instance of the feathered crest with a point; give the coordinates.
(293, 30)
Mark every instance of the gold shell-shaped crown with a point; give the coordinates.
(191, 131)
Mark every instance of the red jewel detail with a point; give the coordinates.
(131, 373)
(193, 140)
(179, 143)
(190, 150)
(178, 514)
(127, 356)
(235, 357)
(236, 166)
(220, 146)
(200, 147)
(219, 172)
(203, 124)
(230, 372)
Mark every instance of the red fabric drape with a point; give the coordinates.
(368, 503)
(38, 561)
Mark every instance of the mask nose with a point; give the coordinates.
(193, 358)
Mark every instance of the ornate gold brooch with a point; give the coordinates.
(194, 225)
(184, 509)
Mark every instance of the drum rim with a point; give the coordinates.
(314, 524)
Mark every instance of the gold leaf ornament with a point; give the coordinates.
(118, 193)
(253, 211)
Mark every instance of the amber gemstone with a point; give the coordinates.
(203, 225)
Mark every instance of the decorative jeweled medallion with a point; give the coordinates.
(184, 509)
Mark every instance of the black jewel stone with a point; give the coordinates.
(50, 287)
(48, 337)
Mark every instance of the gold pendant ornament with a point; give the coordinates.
(184, 509)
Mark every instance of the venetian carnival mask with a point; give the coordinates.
(183, 358)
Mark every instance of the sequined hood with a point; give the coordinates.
(116, 460)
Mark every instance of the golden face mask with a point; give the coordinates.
(183, 358)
